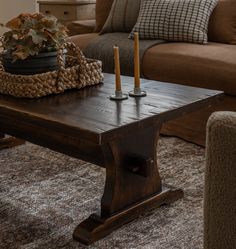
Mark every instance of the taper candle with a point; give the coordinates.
(136, 61)
(117, 68)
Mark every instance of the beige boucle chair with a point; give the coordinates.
(220, 182)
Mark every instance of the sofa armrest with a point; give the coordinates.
(220, 182)
(81, 27)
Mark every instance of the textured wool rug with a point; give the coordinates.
(44, 195)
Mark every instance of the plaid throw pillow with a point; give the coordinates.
(174, 20)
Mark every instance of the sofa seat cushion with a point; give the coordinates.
(208, 66)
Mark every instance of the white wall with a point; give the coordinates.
(12, 8)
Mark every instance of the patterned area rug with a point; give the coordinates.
(44, 195)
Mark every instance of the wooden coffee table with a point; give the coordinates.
(120, 136)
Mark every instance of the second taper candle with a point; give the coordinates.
(136, 61)
(117, 68)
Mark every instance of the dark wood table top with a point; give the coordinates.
(90, 114)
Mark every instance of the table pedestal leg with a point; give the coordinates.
(8, 142)
(133, 185)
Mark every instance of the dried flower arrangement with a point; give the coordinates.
(31, 34)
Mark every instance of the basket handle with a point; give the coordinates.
(70, 46)
(1, 46)
(1, 41)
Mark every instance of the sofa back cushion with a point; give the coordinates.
(103, 8)
(122, 17)
(222, 25)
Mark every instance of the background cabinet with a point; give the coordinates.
(68, 11)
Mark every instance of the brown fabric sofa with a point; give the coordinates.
(81, 27)
(220, 182)
(208, 66)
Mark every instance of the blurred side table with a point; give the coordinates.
(69, 11)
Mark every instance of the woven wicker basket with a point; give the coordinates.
(77, 72)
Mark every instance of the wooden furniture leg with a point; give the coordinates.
(8, 142)
(133, 185)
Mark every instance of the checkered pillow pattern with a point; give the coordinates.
(174, 20)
